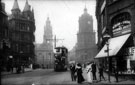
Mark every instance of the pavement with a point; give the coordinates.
(43, 76)
(8, 73)
(112, 80)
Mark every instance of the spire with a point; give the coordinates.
(85, 9)
(33, 12)
(48, 21)
(27, 6)
(15, 6)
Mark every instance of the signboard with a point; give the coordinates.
(121, 28)
(133, 53)
(130, 53)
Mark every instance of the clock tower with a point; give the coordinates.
(86, 45)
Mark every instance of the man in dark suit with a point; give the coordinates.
(72, 69)
(94, 71)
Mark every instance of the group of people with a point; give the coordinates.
(90, 69)
(76, 73)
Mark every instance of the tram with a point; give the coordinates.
(60, 59)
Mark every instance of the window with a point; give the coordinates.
(28, 28)
(112, 1)
(120, 18)
(121, 24)
(103, 18)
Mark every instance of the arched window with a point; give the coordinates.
(121, 24)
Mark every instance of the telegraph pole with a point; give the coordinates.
(55, 40)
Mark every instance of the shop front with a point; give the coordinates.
(118, 53)
(121, 52)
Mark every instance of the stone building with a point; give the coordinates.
(86, 45)
(44, 51)
(21, 32)
(116, 18)
(72, 54)
(4, 36)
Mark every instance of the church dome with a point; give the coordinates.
(85, 15)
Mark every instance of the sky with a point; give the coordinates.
(63, 14)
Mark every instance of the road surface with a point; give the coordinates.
(37, 77)
(48, 76)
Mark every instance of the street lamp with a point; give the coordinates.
(43, 62)
(107, 36)
(50, 59)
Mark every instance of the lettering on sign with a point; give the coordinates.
(121, 28)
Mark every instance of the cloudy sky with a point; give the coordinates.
(63, 14)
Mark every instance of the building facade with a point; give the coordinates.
(72, 54)
(4, 37)
(117, 19)
(86, 45)
(44, 51)
(21, 32)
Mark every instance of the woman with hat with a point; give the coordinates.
(80, 78)
(89, 73)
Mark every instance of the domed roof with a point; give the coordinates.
(85, 12)
(85, 15)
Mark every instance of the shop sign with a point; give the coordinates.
(121, 28)
(131, 53)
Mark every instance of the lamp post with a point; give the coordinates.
(20, 57)
(49, 56)
(107, 36)
(43, 60)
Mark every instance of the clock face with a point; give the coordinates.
(89, 22)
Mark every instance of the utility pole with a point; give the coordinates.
(43, 60)
(55, 40)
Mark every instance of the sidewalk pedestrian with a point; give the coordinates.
(101, 75)
(116, 73)
(73, 70)
(94, 70)
(80, 78)
(89, 73)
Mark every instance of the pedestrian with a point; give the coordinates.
(89, 73)
(116, 73)
(80, 78)
(72, 70)
(101, 74)
(94, 70)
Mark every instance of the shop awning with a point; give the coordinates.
(115, 45)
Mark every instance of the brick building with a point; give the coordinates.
(117, 19)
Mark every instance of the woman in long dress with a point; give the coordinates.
(89, 73)
(80, 78)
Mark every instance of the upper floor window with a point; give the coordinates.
(121, 24)
(112, 1)
(121, 18)
(28, 28)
